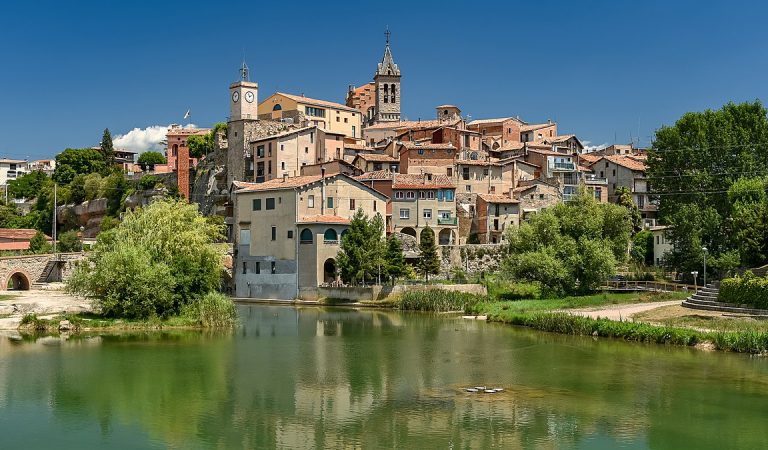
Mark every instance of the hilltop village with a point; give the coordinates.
(288, 172)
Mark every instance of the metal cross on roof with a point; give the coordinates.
(387, 33)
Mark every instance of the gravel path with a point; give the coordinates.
(619, 312)
(40, 302)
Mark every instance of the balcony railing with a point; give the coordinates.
(563, 166)
(594, 179)
(446, 221)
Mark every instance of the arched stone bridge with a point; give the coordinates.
(21, 272)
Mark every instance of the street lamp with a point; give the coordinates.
(695, 274)
(705, 265)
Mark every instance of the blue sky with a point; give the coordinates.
(601, 69)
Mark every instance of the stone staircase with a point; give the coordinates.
(44, 278)
(706, 298)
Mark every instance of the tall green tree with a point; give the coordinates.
(107, 148)
(395, 261)
(74, 161)
(692, 165)
(27, 185)
(429, 260)
(361, 257)
(624, 198)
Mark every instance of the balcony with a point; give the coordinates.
(591, 179)
(563, 166)
(446, 221)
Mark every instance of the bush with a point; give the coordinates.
(148, 182)
(438, 300)
(213, 310)
(749, 290)
(520, 291)
(70, 242)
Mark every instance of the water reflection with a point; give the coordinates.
(318, 378)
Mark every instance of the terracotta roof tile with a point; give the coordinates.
(375, 175)
(418, 181)
(627, 161)
(277, 183)
(535, 126)
(378, 157)
(496, 120)
(18, 233)
(428, 146)
(495, 198)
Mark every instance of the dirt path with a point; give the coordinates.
(40, 302)
(619, 312)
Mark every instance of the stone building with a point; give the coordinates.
(424, 200)
(177, 155)
(417, 158)
(369, 162)
(287, 232)
(305, 111)
(627, 171)
(536, 195)
(494, 215)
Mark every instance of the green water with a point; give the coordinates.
(337, 378)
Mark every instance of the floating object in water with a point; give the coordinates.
(480, 388)
(471, 390)
(498, 389)
(489, 391)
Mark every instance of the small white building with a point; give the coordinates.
(10, 169)
(661, 243)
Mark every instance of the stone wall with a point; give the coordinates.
(32, 266)
(472, 258)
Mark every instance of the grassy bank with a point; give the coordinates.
(744, 339)
(213, 310)
(553, 304)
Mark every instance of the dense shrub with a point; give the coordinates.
(438, 300)
(748, 289)
(213, 310)
(520, 291)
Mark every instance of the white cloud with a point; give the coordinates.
(144, 139)
(591, 148)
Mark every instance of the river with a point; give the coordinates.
(332, 378)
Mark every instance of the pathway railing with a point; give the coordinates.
(657, 286)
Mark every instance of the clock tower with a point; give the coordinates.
(243, 98)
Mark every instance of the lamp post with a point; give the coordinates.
(705, 265)
(695, 274)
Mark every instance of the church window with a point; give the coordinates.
(277, 107)
(393, 93)
(306, 236)
(282, 165)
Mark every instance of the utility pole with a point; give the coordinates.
(54, 219)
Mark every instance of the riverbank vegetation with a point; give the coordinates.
(438, 300)
(746, 290)
(160, 262)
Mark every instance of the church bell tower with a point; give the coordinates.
(243, 116)
(387, 81)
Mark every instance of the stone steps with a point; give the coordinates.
(706, 299)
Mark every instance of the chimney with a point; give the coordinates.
(549, 121)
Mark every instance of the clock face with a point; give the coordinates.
(235, 96)
(249, 97)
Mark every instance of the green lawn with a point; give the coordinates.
(553, 304)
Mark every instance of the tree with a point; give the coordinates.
(693, 165)
(159, 259)
(570, 248)
(361, 257)
(429, 261)
(27, 185)
(69, 242)
(39, 243)
(107, 149)
(201, 145)
(624, 198)
(73, 161)
(642, 247)
(395, 261)
(147, 160)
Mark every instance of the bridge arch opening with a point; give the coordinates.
(18, 281)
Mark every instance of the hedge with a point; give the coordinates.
(747, 290)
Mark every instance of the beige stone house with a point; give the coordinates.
(424, 200)
(494, 215)
(627, 171)
(328, 116)
(370, 162)
(287, 232)
(536, 195)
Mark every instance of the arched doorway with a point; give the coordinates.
(409, 231)
(329, 270)
(445, 237)
(18, 281)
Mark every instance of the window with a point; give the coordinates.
(270, 203)
(431, 195)
(277, 107)
(614, 172)
(316, 112)
(420, 151)
(330, 202)
(449, 171)
(269, 167)
(443, 214)
(273, 268)
(657, 242)
(282, 165)
(269, 149)
(393, 93)
(306, 236)
(399, 195)
(245, 267)
(258, 267)
(427, 213)
(468, 188)
(257, 204)
(274, 233)
(449, 196)
(598, 193)
(354, 133)
(282, 147)
(485, 172)
(311, 201)
(405, 213)
(465, 173)
(473, 156)
(411, 195)
(338, 119)
(440, 195)
(306, 149)
(260, 151)
(330, 235)
(541, 196)
(351, 204)
(311, 137)
(346, 120)
(422, 194)
(466, 140)
(374, 206)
